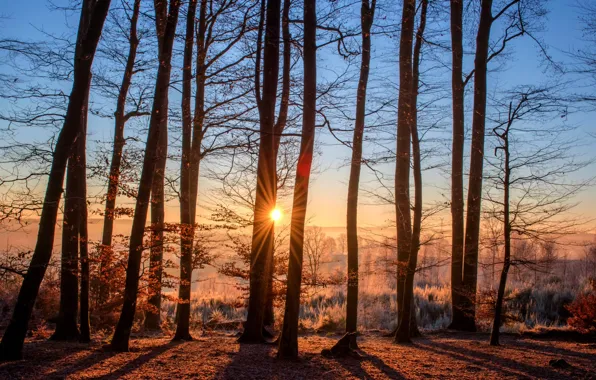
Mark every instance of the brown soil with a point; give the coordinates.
(443, 355)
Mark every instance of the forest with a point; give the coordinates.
(254, 189)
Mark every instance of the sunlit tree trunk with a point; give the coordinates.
(123, 328)
(288, 340)
(470, 267)
(262, 237)
(279, 127)
(11, 347)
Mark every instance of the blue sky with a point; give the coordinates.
(28, 18)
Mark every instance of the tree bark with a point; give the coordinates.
(85, 333)
(367, 11)
(288, 341)
(457, 163)
(279, 127)
(470, 267)
(262, 238)
(402, 169)
(186, 219)
(152, 315)
(123, 328)
(494, 336)
(119, 142)
(11, 347)
(417, 165)
(66, 326)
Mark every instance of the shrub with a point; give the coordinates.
(583, 311)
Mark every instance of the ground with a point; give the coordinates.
(219, 356)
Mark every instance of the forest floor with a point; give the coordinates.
(219, 356)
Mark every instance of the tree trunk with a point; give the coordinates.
(470, 269)
(152, 315)
(11, 347)
(66, 326)
(417, 166)
(119, 142)
(279, 127)
(457, 163)
(402, 170)
(288, 341)
(85, 334)
(494, 336)
(367, 15)
(186, 219)
(123, 328)
(262, 238)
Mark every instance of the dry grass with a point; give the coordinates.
(442, 355)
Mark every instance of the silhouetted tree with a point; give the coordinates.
(158, 114)
(262, 237)
(288, 340)
(93, 15)
(367, 13)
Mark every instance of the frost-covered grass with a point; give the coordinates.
(528, 307)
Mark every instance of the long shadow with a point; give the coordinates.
(140, 361)
(247, 353)
(559, 351)
(486, 360)
(97, 355)
(354, 366)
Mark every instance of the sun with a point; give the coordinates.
(276, 214)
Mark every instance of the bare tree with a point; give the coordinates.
(262, 237)
(122, 332)
(367, 12)
(120, 117)
(402, 168)
(317, 246)
(518, 16)
(93, 15)
(288, 340)
(530, 167)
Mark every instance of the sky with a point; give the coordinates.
(29, 19)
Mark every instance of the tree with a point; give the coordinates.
(367, 12)
(288, 340)
(402, 168)
(122, 332)
(457, 159)
(530, 170)
(93, 15)
(317, 245)
(262, 237)
(152, 320)
(186, 231)
(417, 165)
(519, 15)
(120, 119)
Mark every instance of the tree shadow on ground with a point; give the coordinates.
(502, 365)
(248, 358)
(139, 361)
(354, 366)
(61, 360)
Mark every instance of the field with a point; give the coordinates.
(218, 356)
